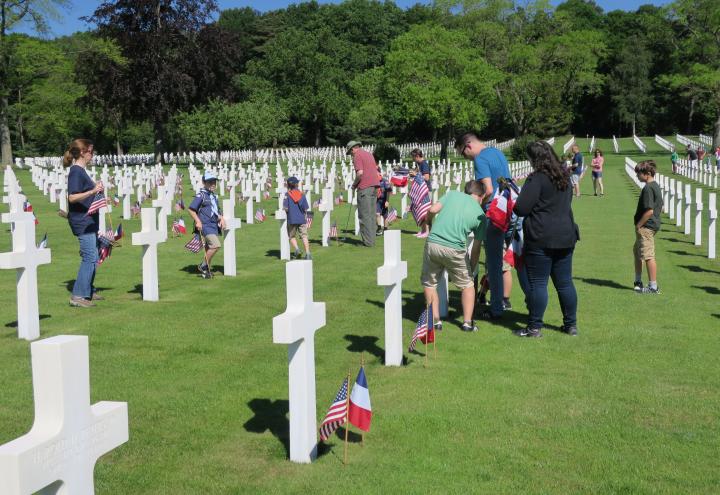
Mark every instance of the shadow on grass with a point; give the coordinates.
(14, 324)
(603, 283)
(137, 290)
(716, 315)
(685, 253)
(69, 284)
(698, 269)
(272, 415)
(273, 253)
(707, 288)
(365, 343)
(352, 436)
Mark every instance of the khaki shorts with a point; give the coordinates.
(212, 241)
(294, 229)
(644, 248)
(506, 266)
(455, 261)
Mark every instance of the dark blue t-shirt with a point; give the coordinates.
(295, 211)
(424, 168)
(577, 163)
(491, 162)
(80, 222)
(205, 204)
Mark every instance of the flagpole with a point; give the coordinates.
(347, 420)
(426, 334)
(362, 434)
(434, 332)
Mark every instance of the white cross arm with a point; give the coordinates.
(303, 316)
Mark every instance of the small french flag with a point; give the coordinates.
(360, 412)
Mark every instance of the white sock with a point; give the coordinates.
(652, 284)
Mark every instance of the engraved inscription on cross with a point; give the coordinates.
(69, 435)
(296, 327)
(25, 258)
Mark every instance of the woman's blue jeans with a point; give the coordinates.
(88, 262)
(541, 265)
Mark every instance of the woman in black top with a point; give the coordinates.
(550, 234)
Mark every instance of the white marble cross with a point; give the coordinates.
(164, 202)
(296, 327)
(712, 215)
(443, 294)
(688, 203)
(281, 216)
(326, 206)
(249, 213)
(69, 435)
(698, 216)
(149, 237)
(231, 224)
(391, 275)
(403, 202)
(357, 216)
(25, 258)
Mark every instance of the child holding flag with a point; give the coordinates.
(296, 206)
(383, 203)
(208, 219)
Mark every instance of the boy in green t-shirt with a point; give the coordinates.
(674, 159)
(455, 216)
(647, 223)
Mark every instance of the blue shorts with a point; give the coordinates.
(597, 175)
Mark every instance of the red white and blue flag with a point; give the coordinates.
(27, 207)
(178, 226)
(420, 199)
(105, 245)
(119, 232)
(116, 200)
(179, 205)
(260, 215)
(333, 231)
(399, 177)
(194, 244)
(500, 210)
(337, 413)
(135, 209)
(391, 216)
(360, 412)
(309, 217)
(100, 201)
(425, 330)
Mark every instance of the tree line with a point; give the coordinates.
(156, 75)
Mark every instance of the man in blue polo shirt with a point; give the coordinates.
(577, 169)
(490, 164)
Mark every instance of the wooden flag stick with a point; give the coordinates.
(426, 335)
(347, 420)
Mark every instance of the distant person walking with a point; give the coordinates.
(674, 160)
(597, 172)
(366, 184)
(576, 165)
(81, 194)
(550, 234)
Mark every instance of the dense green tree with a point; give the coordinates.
(434, 76)
(175, 58)
(12, 13)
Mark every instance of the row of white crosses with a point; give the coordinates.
(568, 144)
(296, 328)
(664, 143)
(616, 145)
(695, 170)
(591, 148)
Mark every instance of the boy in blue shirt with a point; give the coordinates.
(577, 169)
(296, 206)
(208, 219)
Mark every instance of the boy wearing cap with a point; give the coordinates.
(208, 219)
(296, 206)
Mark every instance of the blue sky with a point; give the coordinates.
(69, 18)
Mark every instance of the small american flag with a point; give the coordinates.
(116, 200)
(316, 204)
(178, 226)
(339, 200)
(194, 244)
(179, 205)
(391, 216)
(337, 413)
(333, 231)
(105, 245)
(260, 215)
(27, 206)
(309, 217)
(420, 199)
(266, 194)
(100, 201)
(135, 209)
(423, 329)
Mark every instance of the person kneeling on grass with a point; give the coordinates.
(452, 220)
(296, 206)
(647, 224)
(208, 219)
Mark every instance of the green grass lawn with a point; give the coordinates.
(629, 406)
